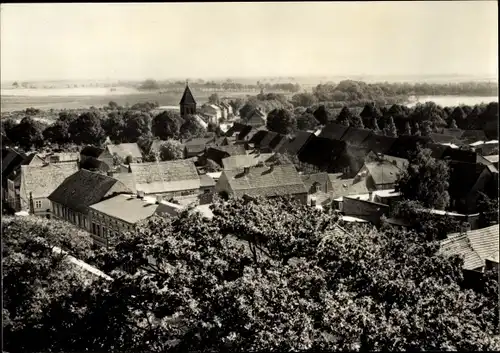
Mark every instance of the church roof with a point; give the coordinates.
(187, 97)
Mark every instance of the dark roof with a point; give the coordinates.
(235, 129)
(85, 188)
(265, 181)
(356, 136)
(379, 143)
(333, 131)
(459, 155)
(405, 145)
(463, 176)
(440, 138)
(294, 145)
(259, 136)
(244, 132)
(322, 152)
(187, 97)
(91, 151)
(438, 150)
(11, 160)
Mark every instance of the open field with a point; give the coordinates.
(71, 101)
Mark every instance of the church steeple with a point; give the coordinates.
(187, 103)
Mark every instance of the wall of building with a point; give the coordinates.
(369, 210)
(104, 228)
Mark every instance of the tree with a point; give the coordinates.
(426, 128)
(344, 117)
(27, 134)
(236, 104)
(453, 124)
(114, 126)
(113, 105)
(306, 121)
(149, 84)
(425, 180)
(171, 150)
(304, 100)
(322, 115)
(15, 85)
(357, 122)
(136, 124)
(166, 125)
(281, 121)
(87, 129)
(488, 210)
(191, 128)
(370, 114)
(214, 98)
(407, 130)
(390, 128)
(416, 130)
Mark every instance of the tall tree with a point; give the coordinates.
(407, 130)
(344, 117)
(322, 115)
(171, 150)
(356, 121)
(306, 121)
(87, 129)
(214, 98)
(416, 130)
(304, 100)
(390, 128)
(114, 126)
(167, 125)
(453, 124)
(191, 128)
(425, 180)
(27, 134)
(281, 121)
(136, 124)
(236, 104)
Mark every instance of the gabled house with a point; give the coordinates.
(294, 145)
(257, 118)
(212, 112)
(124, 151)
(11, 160)
(218, 153)
(235, 129)
(196, 146)
(167, 179)
(272, 142)
(71, 200)
(38, 182)
(272, 181)
(333, 131)
(381, 171)
(356, 136)
(228, 108)
(479, 248)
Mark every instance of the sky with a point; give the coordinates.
(208, 40)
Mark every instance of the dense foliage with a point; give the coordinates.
(259, 276)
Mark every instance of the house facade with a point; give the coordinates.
(212, 112)
(257, 118)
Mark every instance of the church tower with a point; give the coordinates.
(187, 104)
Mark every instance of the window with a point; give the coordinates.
(38, 204)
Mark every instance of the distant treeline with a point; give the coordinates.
(228, 85)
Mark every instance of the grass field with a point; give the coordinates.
(14, 103)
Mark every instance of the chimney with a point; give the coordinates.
(370, 195)
(140, 194)
(246, 170)
(313, 201)
(159, 199)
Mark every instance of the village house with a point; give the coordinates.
(196, 146)
(122, 213)
(382, 171)
(218, 153)
(257, 118)
(265, 181)
(228, 108)
(169, 179)
(36, 183)
(479, 248)
(295, 145)
(71, 200)
(212, 112)
(249, 160)
(126, 152)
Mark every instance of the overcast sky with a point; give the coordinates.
(137, 41)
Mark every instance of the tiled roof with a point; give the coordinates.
(235, 129)
(197, 145)
(231, 150)
(401, 163)
(206, 181)
(168, 209)
(461, 246)
(383, 172)
(405, 145)
(265, 181)
(345, 187)
(127, 179)
(475, 245)
(322, 152)
(127, 208)
(165, 176)
(333, 131)
(85, 188)
(294, 145)
(259, 136)
(493, 158)
(241, 161)
(125, 149)
(41, 181)
(187, 97)
(463, 176)
(356, 136)
(310, 179)
(440, 138)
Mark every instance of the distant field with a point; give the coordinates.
(72, 101)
